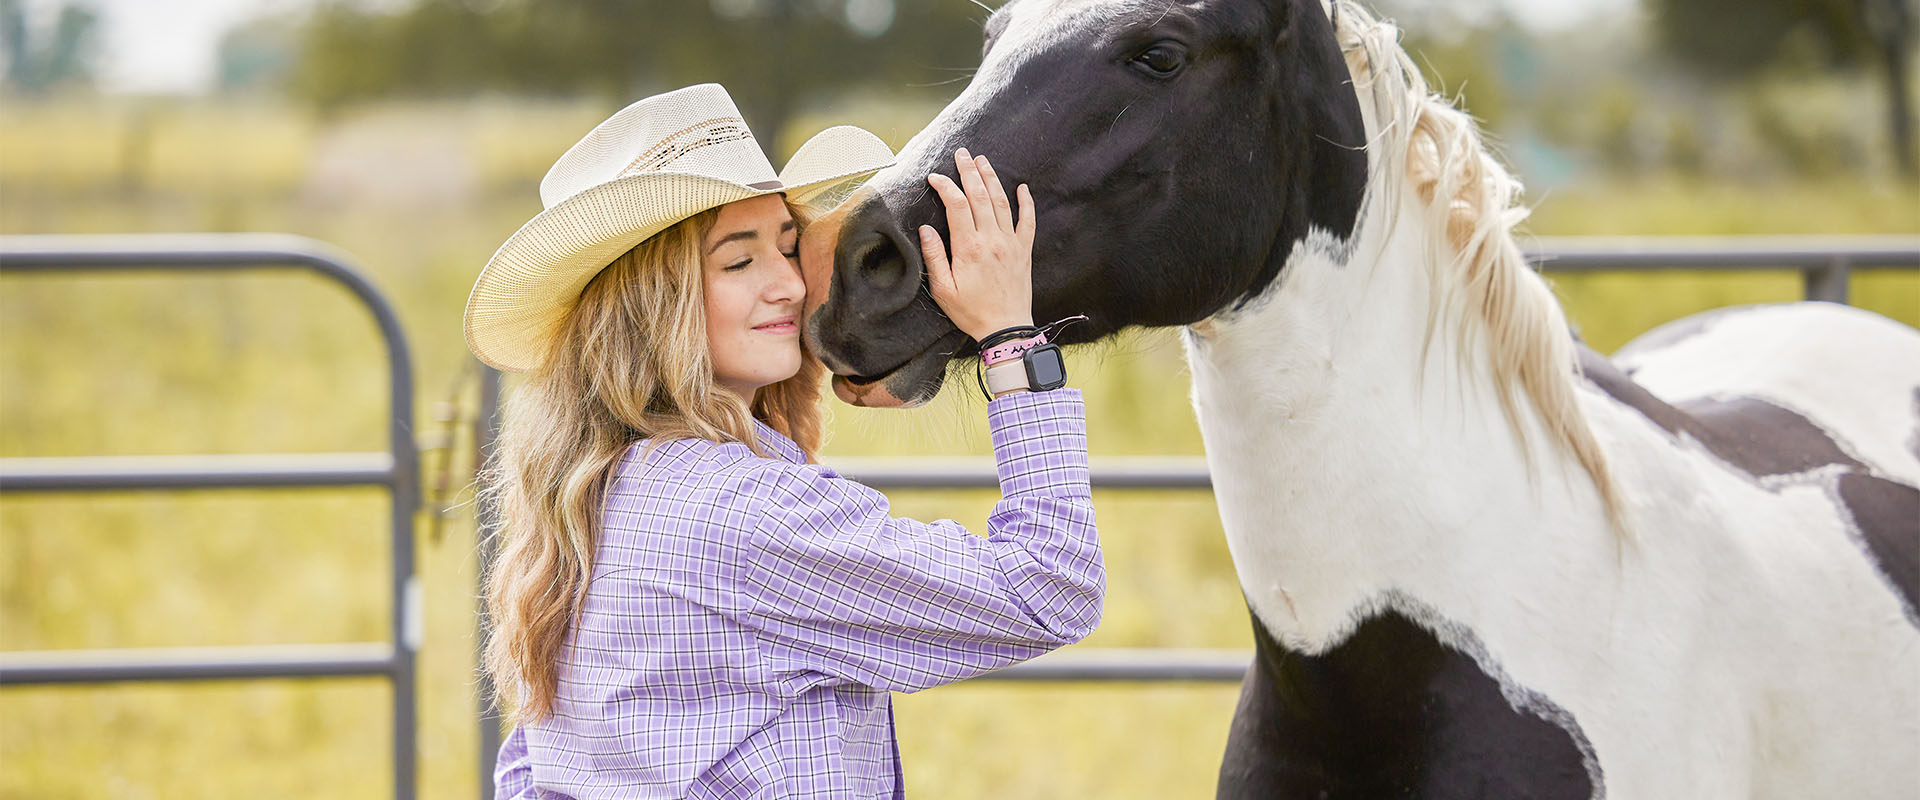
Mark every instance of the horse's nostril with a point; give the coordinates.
(880, 263)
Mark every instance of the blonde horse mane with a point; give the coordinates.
(1477, 267)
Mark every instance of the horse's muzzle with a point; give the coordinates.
(866, 314)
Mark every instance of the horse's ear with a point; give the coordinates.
(1288, 16)
(996, 24)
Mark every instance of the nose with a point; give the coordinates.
(787, 286)
(885, 262)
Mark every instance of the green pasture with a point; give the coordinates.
(281, 363)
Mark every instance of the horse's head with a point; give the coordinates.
(1177, 149)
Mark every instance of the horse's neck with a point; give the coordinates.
(1353, 455)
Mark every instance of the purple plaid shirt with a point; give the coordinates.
(748, 617)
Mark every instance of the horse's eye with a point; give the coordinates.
(1162, 60)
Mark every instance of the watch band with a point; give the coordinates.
(1006, 377)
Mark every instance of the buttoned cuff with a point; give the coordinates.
(1040, 442)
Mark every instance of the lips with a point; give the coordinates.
(912, 383)
(782, 325)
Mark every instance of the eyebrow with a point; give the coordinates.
(740, 236)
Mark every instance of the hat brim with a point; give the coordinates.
(533, 280)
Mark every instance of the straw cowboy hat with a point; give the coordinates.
(653, 164)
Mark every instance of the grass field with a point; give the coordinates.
(274, 363)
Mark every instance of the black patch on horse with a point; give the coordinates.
(1756, 436)
(1390, 713)
(1887, 515)
(1764, 440)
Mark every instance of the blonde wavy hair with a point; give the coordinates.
(1478, 266)
(628, 363)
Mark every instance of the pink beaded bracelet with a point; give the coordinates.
(1009, 351)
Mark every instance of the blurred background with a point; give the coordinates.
(413, 134)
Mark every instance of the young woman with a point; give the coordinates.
(684, 604)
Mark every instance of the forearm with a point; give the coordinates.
(1043, 528)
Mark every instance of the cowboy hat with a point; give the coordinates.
(653, 164)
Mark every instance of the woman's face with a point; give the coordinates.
(751, 273)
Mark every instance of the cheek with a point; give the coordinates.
(724, 313)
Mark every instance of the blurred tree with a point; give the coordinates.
(1742, 39)
(66, 59)
(257, 54)
(770, 54)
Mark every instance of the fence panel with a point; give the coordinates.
(397, 470)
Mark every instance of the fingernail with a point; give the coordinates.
(926, 233)
(962, 152)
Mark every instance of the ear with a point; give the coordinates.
(996, 24)
(1343, 141)
(1335, 174)
(1286, 16)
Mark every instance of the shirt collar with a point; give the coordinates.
(777, 443)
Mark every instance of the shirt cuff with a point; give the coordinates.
(1040, 442)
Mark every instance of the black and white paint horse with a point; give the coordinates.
(1482, 561)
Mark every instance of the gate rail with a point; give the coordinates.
(397, 469)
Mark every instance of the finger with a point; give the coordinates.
(976, 190)
(1028, 222)
(1002, 209)
(959, 218)
(934, 252)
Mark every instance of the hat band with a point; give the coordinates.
(698, 136)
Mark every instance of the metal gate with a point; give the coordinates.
(396, 469)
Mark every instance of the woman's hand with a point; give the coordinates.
(988, 285)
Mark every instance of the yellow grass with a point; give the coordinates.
(283, 363)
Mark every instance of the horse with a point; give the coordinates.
(1481, 560)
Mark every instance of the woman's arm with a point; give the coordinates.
(842, 591)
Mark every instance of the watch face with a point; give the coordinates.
(1045, 369)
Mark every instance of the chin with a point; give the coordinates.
(909, 385)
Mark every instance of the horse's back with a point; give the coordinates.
(1811, 400)
(1852, 373)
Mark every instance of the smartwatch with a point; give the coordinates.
(1040, 368)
